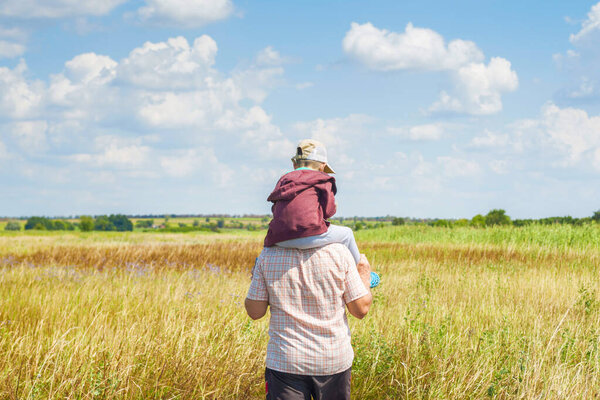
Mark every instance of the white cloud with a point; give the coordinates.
(30, 135)
(479, 88)
(590, 26)
(185, 13)
(3, 153)
(115, 152)
(559, 137)
(19, 98)
(12, 33)
(186, 162)
(90, 67)
(173, 64)
(456, 167)
(11, 50)
(426, 132)
(200, 161)
(490, 140)
(269, 56)
(586, 88)
(334, 131)
(304, 85)
(500, 167)
(255, 80)
(571, 131)
(415, 48)
(56, 8)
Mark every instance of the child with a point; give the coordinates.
(303, 200)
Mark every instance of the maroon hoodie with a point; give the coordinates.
(303, 200)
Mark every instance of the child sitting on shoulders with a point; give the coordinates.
(303, 200)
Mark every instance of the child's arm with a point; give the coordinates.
(327, 200)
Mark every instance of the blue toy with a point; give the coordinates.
(374, 279)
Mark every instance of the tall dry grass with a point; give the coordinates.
(126, 319)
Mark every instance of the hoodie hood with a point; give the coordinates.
(295, 182)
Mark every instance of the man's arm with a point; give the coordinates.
(360, 307)
(256, 309)
(257, 299)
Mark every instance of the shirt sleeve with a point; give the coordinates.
(258, 287)
(327, 200)
(354, 286)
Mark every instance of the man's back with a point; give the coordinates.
(307, 291)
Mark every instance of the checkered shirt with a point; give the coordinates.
(307, 291)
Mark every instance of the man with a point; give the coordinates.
(309, 351)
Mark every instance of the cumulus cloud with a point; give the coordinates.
(116, 152)
(490, 140)
(334, 131)
(478, 87)
(56, 8)
(456, 167)
(3, 152)
(589, 27)
(10, 49)
(561, 137)
(19, 98)
(173, 64)
(30, 135)
(571, 131)
(500, 167)
(262, 75)
(415, 48)
(187, 162)
(425, 132)
(185, 13)
(159, 111)
(580, 65)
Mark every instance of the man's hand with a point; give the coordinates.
(360, 307)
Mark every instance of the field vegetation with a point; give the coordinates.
(500, 312)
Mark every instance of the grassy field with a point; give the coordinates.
(463, 313)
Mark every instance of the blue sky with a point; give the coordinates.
(428, 109)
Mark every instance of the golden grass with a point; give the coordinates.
(120, 318)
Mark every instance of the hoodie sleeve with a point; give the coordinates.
(327, 199)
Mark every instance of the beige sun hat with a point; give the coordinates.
(310, 149)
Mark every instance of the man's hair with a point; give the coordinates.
(308, 164)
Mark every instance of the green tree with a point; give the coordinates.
(596, 216)
(478, 221)
(497, 217)
(121, 222)
(38, 222)
(461, 222)
(102, 223)
(221, 223)
(59, 225)
(86, 223)
(144, 223)
(443, 223)
(398, 221)
(12, 226)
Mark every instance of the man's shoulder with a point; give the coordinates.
(336, 251)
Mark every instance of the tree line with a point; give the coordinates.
(113, 222)
(499, 217)
(120, 223)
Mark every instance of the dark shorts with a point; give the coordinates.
(284, 386)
